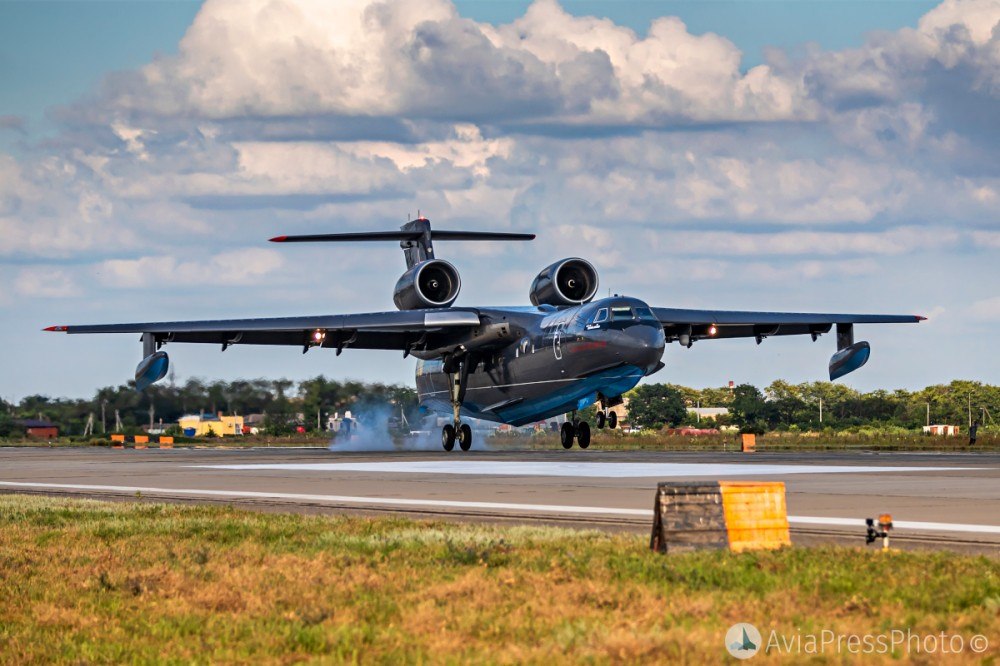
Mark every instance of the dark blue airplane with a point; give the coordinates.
(513, 365)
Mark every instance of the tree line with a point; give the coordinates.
(817, 406)
(285, 404)
(779, 406)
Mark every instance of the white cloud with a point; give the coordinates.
(45, 282)
(237, 267)
(986, 310)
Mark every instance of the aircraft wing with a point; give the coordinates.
(687, 326)
(441, 330)
(704, 324)
(371, 330)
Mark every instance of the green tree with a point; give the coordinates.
(749, 409)
(656, 405)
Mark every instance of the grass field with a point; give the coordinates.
(92, 582)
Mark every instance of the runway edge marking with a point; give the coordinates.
(456, 504)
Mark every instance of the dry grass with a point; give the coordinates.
(91, 582)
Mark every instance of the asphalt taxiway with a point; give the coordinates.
(936, 500)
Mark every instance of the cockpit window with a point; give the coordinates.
(602, 315)
(645, 314)
(621, 313)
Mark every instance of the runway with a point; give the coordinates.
(936, 500)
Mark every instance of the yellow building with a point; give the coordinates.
(199, 425)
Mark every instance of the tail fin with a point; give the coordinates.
(416, 238)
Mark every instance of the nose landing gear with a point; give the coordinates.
(605, 415)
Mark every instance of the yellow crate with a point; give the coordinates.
(756, 514)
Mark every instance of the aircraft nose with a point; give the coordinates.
(643, 346)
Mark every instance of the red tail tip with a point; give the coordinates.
(56, 328)
(279, 239)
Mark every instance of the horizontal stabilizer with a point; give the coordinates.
(404, 236)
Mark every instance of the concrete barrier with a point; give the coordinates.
(721, 514)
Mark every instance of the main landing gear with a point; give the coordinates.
(575, 429)
(462, 432)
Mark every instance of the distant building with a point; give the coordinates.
(199, 425)
(37, 429)
(949, 430)
(708, 412)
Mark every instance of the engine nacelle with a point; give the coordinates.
(567, 282)
(430, 284)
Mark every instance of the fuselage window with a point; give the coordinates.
(621, 313)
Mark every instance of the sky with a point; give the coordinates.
(796, 155)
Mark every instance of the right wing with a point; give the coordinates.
(371, 330)
(437, 332)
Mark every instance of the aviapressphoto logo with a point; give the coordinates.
(743, 641)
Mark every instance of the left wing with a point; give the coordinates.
(687, 326)
(406, 330)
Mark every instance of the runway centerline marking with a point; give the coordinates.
(574, 469)
(508, 506)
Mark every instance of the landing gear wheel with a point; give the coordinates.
(465, 436)
(566, 435)
(612, 420)
(583, 434)
(448, 437)
(601, 419)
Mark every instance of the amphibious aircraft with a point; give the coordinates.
(514, 365)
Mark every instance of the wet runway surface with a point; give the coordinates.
(949, 500)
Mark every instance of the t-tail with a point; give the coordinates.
(428, 282)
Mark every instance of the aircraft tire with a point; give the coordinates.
(448, 437)
(583, 434)
(566, 434)
(612, 420)
(601, 419)
(465, 436)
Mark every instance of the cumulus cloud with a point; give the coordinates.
(239, 267)
(301, 115)
(422, 60)
(45, 282)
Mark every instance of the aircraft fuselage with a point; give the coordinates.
(558, 361)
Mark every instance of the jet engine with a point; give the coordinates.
(567, 282)
(429, 284)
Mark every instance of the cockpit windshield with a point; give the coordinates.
(621, 313)
(645, 314)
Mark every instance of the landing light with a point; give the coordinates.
(712, 330)
(319, 335)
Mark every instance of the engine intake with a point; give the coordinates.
(430, 284)
(567, 282)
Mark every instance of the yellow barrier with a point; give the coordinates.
(166, 442)
(756, 515)
(118, 438)
(748, 443)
